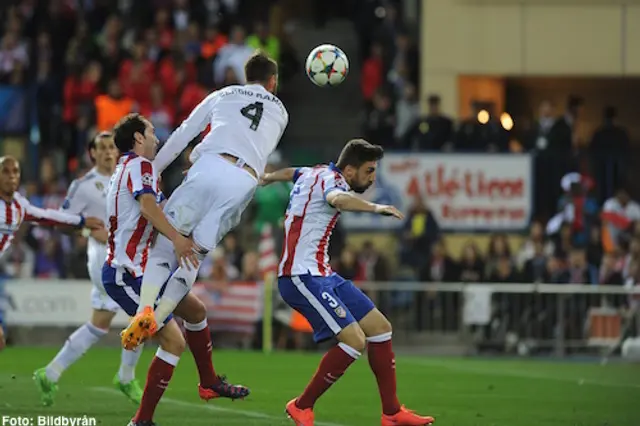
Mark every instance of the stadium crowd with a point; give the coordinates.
(163, 65)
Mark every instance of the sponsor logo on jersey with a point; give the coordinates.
(147, 179)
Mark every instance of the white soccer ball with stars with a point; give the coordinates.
(327, 65)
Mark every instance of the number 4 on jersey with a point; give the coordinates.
(254, 113)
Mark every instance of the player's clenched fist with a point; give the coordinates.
(389, 211)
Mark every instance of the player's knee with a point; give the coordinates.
(102, 319)
(172, 341)
(191, 309)
(354, 337)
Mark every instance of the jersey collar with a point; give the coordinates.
(334, 168)
(127, 155)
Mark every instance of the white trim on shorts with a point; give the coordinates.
(313, 300)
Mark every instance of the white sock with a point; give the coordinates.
(162, 262)
(128, 362)
(177, 288)
(76, 345)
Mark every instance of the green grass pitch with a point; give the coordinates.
(458, 392)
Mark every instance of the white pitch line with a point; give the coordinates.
(524, 375)
(186, 404)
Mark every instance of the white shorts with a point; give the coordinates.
(100, 300)
(211, 200)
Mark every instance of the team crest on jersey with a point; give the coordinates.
(100, 186)
(147, 179)
(340, 312)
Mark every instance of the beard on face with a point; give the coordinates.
(360, 189)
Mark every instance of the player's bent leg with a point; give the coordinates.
(198, 337)
(161, 264)
(77, 344)
(178, 286)
(172, 345)
(382, 362)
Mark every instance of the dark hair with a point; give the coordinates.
(93, 142)
(127, 127)
(259, 68)
(357, 152)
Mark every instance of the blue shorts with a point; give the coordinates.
(124, 289)
(328, 303)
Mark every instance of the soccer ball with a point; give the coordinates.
(327, 65)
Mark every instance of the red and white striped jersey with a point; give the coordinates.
(19, 210)
(130, 233)
(310, 220)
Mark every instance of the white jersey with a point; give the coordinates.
(309, 221)
(246, 122)
(13, 213)
(87, 195)
(130, 233)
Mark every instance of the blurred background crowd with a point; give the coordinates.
(71, 68)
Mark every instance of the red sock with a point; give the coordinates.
(158, 377)
(331, 368)
(383, 364)
(199, 342)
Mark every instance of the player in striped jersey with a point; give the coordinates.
(15, 210)
(335, 307)
(87, 195)
(133, 212)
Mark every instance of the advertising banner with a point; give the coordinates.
(465, 192)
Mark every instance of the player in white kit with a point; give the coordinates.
(247, 123)
(87, 196)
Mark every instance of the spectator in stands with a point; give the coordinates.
(557, 273)
(594, 251)
(233, 55)
(433, 132)
(263, 40)
(498, 249)
(76, 259)
(537, 138)
(372, 76)
(609, 151)
(136, 76)
(112, 106)
(49, 260)
(233, 253)
(472, 135)
(406, 62)
(609, 273)
(407, 111)
(535, 266)
(529, 250)
(111, 57)
(440, 266)
(160, 113)
(19, 261)
(250, 267)
(471, 264)
(379, 123)
(163, 29)
(181, 14)
(14, 58)
(618, 214)
(580, 211)
(503, 272)
(578, 268)
(214, 40)
(420, 232)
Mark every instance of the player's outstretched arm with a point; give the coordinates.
(56, 217)
(184, 247)
(346, 201)
(282, 175)
(191, 127)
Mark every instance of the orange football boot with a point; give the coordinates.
(299, 416)
(141, 327)
(406, 417)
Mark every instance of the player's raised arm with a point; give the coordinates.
(57, 217)
(191, 127)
